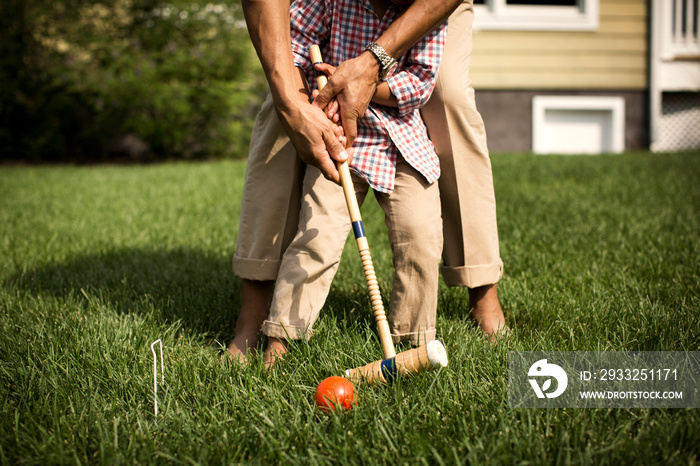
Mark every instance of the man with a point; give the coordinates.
(471, 256)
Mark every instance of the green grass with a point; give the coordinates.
(601, 253)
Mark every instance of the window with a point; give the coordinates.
(536, 15)
(578, 124)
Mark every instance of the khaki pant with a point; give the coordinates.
(412, 215)
(471, 255)
(271, 199)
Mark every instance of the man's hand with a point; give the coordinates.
(353, 84)
(355, 80)
(317, 140)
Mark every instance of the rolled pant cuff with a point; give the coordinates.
(255, 269)
(285, 332)
(472, 276)
(415, 338)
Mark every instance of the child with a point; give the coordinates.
(392, 155)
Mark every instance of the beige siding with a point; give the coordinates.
(613, 57)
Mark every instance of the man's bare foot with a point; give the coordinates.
(485, 310)
(255, 302)
(275, 351)
(239, 348)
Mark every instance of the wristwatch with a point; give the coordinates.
(386, 62)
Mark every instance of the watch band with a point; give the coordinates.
(386, 62)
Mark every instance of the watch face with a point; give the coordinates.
(387, 70)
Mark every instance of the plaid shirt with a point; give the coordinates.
(343, 28)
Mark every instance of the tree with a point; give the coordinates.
(177, 79)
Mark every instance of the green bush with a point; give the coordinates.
(127, 79)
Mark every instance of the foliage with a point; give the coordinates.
(141, 79)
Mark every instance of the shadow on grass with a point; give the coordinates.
(192, 287)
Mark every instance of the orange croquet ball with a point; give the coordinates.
(335, 391)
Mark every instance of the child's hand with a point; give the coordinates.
(340, 134)
(333, 106)
(331, 109)
(338, 130)
(325, 68)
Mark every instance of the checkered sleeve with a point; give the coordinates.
(414, 79)
(309, 24)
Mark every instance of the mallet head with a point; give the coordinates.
(426, 357)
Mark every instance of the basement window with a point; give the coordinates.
(536, 15)
(578, 124)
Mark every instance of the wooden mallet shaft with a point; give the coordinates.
(360, 238)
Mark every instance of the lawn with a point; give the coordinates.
(601, 253)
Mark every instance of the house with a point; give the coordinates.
(588, 76)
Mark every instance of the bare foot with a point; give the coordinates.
(486, 311)
(239, 348)
(255, 302)
(275, 351)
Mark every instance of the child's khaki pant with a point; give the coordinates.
(471, 254)
(412, 215)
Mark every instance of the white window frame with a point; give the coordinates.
(541, 130)
(499, 16)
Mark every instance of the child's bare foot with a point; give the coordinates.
(486, 311)
(275, 351)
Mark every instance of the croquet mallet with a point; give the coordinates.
(429, 356)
